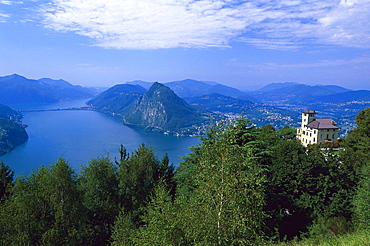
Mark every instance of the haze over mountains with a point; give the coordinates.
(16, 89)
(278, 104)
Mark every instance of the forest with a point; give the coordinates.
(241, 185)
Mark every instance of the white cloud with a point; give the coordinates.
(6, 2)
(3, 17)
(153, 24)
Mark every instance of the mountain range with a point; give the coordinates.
(278, 104)
(16, 89)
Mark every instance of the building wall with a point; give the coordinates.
(316, 136)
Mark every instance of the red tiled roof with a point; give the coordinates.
(323, 124)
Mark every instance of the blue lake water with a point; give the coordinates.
(78, 136)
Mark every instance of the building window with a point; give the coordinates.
(314, 139)
(333, 135)
(327, 136)
(314, 131)
(310, 134)
(321, 136)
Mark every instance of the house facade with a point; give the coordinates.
(316, 131)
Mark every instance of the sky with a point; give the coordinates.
(243, 44)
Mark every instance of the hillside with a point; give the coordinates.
(193, 88)
(258, 113)
(12, 132)
(16, 89)
(294, 93)
(117, 98)
(160, 109)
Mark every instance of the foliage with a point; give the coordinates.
(225, 205)
(44, 209)
(241, 185)
(357, 142)
(162, 223)
(356, 238)
(362, 200)
(6, 181)
(98, 185)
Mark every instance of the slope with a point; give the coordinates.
(160, 109)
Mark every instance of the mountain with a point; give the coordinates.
(160, 109)
(344, 97)
(143, 84)
(194, 88)
(259, 114)
(220, 103)
(276, 86)
(294, 93)
(16, 89)
(117, 98)
(12, 132)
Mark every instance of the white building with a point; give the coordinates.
(316, 131)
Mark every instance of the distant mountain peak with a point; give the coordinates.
(12, 76)
(162, 110)
(17, 89)
(274, 86)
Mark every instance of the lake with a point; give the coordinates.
(79, 135)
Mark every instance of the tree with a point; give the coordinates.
(357, 153)
(45, 208)
(225, 207)
(357, 142)
(161, 220)
(6, 181)
(361, 200)
(138, 175)
(98, 185)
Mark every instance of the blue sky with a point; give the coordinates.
(244, 44)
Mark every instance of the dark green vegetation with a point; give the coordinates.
(12, 132)
(15, 89)
(242, 185)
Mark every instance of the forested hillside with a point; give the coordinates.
(12, 132)
(242, 185)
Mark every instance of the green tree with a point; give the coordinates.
(362, 200)
(6, 181)
(357, 152)
(98, 185)
(225, 207)
(45, 208)
(161, 220)
(357, 142)
(306, 186)
(138, 175)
